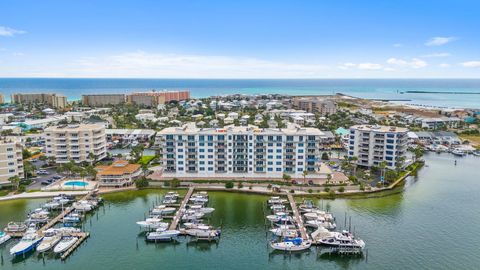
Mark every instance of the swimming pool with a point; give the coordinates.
(76, 184)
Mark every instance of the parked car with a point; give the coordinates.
(45, 183)
(44, 172)
(56, 177)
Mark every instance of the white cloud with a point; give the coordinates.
(444, 65)
(369, 66)
(471, 64)
(398, 45)
(414, 63)
(433, 55)
(439, 41)
(9, 32)
(143, 64)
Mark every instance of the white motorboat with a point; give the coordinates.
(276, 200)
(295, 244)
(277, 208)
(37, 218)
(476, 153)
(284, 232)
(152, 223)
(40, 211)
(192, 215)
(318, 214)
(28, 243)
(52, 205)
(65, 231)
(169, 201)
(342, 239)
(458, 152)
(83, 206)
(201, 209)
(276, 217)
(16, 227)
(50, 239)
(162, 210)
(65, 244)
(4, 237)
(321, 233)
(72, 218)
(204, 232)
(193, 225)
(166, 235)
(319, 223)
(286, 221)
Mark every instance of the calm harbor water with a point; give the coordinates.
(365, 88)
(433, 224)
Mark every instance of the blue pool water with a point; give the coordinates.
(76, 184)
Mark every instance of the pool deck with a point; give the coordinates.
(62, 186)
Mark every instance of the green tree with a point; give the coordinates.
(286, 177)
(15, 181)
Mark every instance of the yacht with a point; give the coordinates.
(284, 232)
(52, 205)
(277, 208)
(72, 218)
(204, 232)
(16, 227)
(152, 223)
(276, 200)
(342, 239)
(192, 215)
(476, 153)
(295, 244)
(318, 214)
(162, 210)
(29, 241)
(321, 233)
(276, 217)
(166, 235)
(201, 209)
(193, 225)
(37, 218)
(458, 152)
(50, 239)
(4, 237)
(319, 223)
(83, 206)
(65, 244)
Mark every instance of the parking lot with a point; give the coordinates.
(37, 181)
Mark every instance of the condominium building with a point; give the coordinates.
(374, 144)
(103, 100)
(153, 99)
(53, 100)
(318, 105)
(76, 142)
(239, 151)
(120, 173)
(2, 99)
(11, 162)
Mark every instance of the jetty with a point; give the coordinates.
(82, 236)
(178, 215)
(297, 217)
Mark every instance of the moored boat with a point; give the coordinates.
(295, 244)
(16, 227)
(4, 237)
(50, 239)
(28, 242)
(166, 235)
(65, 244)
(342, 239)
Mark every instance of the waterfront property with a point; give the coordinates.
(99, 100)
(322, 106)
(11, 161)
(240, 151)
(153, 99)
(119, 174)
(53, 100)
(85, 142)
(372, 145)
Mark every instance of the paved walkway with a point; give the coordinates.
(40, 194)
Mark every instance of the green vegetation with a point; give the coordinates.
(145, 160)
(229, 184)
(141, 182)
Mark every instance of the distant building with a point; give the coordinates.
(121, 173)
(76, 142)
(318, 105)
(374, 144)
(153, 99)
(2, 99)
(103, 100)
(53, 100)
(11, 162)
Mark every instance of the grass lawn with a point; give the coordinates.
(473, 139)
(4, 192)
(145, 160)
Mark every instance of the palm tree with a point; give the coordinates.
(418, 153)
(15, 180)
(329, 178)
(92, 158)
(304, 173)
(353, 161)
(382, 166)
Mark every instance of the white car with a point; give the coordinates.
(42, 172)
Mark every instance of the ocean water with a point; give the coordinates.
(365, 88)
(433, 224)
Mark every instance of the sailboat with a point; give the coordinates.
(295, 244)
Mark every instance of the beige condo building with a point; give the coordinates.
(103, 100)
(54, 100)
(76, 142)
(11, 162)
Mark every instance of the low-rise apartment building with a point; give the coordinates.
(11, 161)
(374, 144)
(76, 142)
(318, 105)
(119, 174)
(103, 100)
(239, 151)
(53, 100)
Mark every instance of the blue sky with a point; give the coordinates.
(240, 39)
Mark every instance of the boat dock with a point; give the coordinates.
(82, 236)
(178, 215)
(297, 217)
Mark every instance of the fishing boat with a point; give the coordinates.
(276, 217)
(72, 218)
(284, 231)
(82, 206)
(166, 235)
(65, 244)
(162, 210)
(37, 218)
(204, 232)
(343, 239)
(152, 223)
(319, 223)
(4, 237)
(28, 242)
(295, 244)
(16, 227)
(458, 152)
(276, 200)
(52, 205)
(50, 239)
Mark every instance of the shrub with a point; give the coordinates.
(175, 182)
(362, 186)
(166, 184)
(331, 193)
(250, 187)
(327, 189)
(379, 184)
(325, 156)
(240, 185)
(22, 188)
(141, 182)
(310, 190)
(229, 184)
(292, 191)
(341, 189)
(269, 186)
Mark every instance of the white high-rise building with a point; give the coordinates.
(76, 142)
(11, 161)
(239, 151)
(375, 144)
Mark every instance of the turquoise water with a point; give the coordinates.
(432, 225)
(76, 184)
(366, 88)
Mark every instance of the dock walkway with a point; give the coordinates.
(178, 215)
(82, 236)
(297, 217)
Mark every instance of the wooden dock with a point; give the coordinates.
(178, 215)
(297, 217)
(82, 236)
